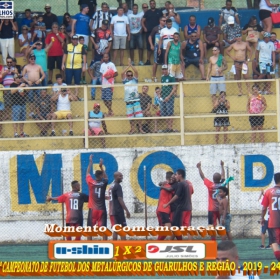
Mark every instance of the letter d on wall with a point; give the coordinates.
(257, 172)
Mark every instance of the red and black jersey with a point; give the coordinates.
(74, 202)
(164, 198)
(271, 199)
(213, 192)
(97, 191)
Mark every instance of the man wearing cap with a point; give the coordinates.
(91, 5)
(96, 119)
(33, 75)
(120, 32)
(74, 61)
(55, 52)
(231, 29)
(227, 11)
(64, 97)
(41, 57)
(240, 59)
(211, 36)
(18, 102)
(100, 16)
(101, 41)
(136, 38)
(168, 93)
(265, 56)
(49, 18)
(80, 23)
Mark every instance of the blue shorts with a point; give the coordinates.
(133, 109)
(136, 40)
(227, 222)
(31, 93)
(265, 227)
(2, 106)
(107, 94)
(19, 113)
(167, 108)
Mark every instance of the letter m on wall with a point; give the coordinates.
(31, 181)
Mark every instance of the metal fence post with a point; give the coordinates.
(182, 125)
(62, 204)
(86, 117)
(277, 107)
(67, 6)
(145, 191)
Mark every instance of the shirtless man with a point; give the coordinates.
(217, 65)
(35, 76)
(240, 53)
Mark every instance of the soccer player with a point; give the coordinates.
(182, 200)
(97, 214)
(74, 202)
(224, 211)
(213, 192)
(271, 199)
(165, 196)
(117, 205)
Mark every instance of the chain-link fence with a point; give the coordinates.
(27, 210)
(69, 119)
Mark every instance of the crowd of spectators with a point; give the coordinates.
(49, 46)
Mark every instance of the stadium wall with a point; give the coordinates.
(27, 177)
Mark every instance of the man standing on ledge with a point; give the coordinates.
(117, 205)
(240, 59)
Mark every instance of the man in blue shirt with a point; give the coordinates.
(28, 19)
(80, 23)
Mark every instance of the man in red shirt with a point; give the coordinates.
(213, 192)
(182, 201)
(74, 202)
(97, 214)
(55, 53)
(165, 196)
(271, 199)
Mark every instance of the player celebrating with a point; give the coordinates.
(97, 214)
(271, 199)
(165, 196)
(117, 205)
(182, 200)
(74, 202)
(213, 192)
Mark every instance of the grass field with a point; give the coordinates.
(247, 248)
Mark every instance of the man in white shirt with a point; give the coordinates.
(136, 39)
(265, 56)
(120, 31)
(166, 35)
(99, 16)
(64, 98)
(59, 83)
(109, 72)
(227, 251)
(131, 97)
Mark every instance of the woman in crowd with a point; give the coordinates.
(24, 39)
(256, 105)
(67, 22)
(265, 12)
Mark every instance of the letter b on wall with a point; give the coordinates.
(258, 171)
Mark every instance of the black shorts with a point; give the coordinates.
(54, 59)
(275, 235)
(118, 219)
(213, 216)
(263, 14)
(89, 218)
(256, 120)
(163, 218)
(177, 218)
(191, 61)
(221, 122)
(7, 98)
(148, 46)
(209, 46)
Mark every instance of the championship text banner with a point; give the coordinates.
(133, 250)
